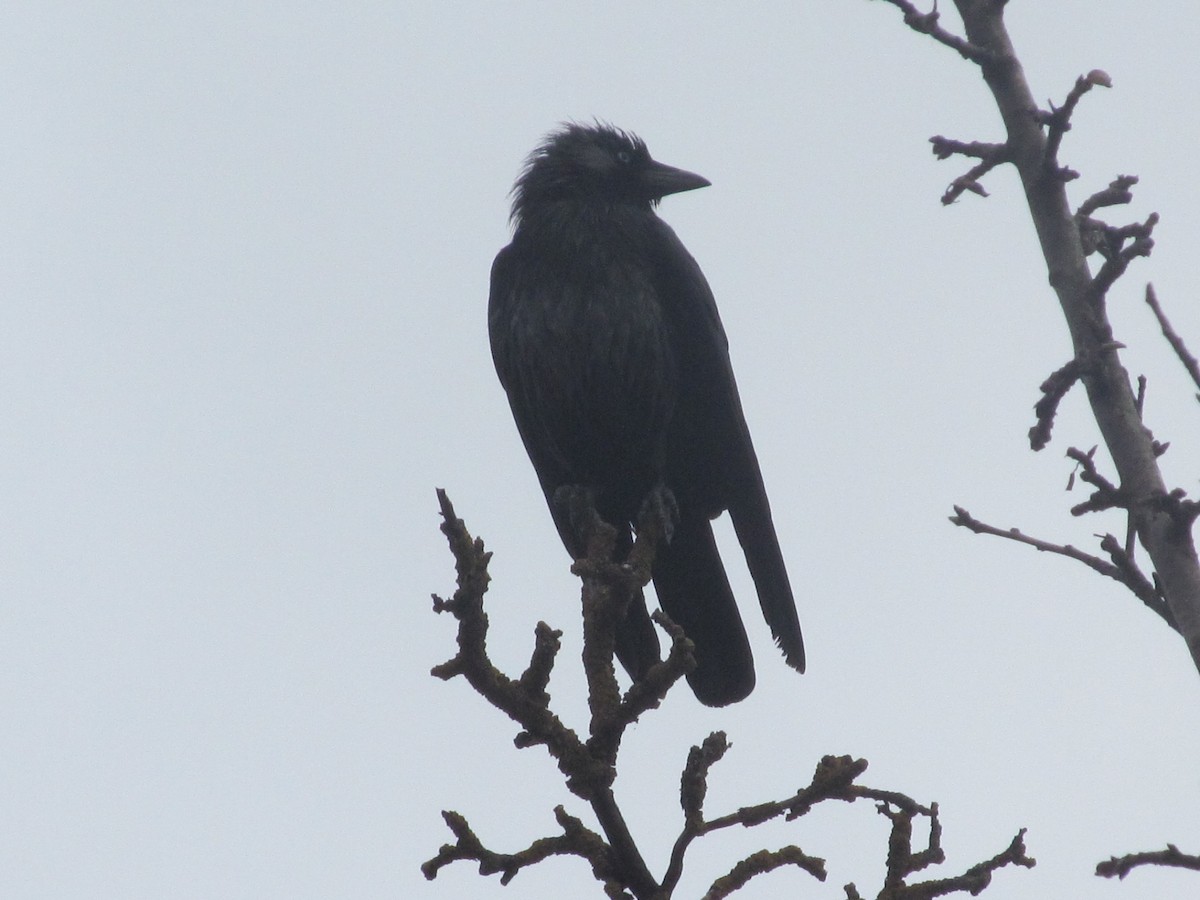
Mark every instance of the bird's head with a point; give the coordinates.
(596, 165)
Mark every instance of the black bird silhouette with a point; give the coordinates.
(607, 340)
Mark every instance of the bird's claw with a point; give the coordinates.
(577, 503)
(660, 504)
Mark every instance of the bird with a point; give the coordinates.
(607, 341)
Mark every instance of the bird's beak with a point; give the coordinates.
(660, 179)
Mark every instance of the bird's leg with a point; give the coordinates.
(577, 504)
(660, 508)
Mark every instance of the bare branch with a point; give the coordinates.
(1117, 193)
(1120, 866)
(1065, 239)
(1055, 387)
(902, 861)
(978, 877)
(590, 768)
(1058, 119)
(1121, 569)
(1189, 361)
(523, 701)
(834, 780)
(608, 589)
(1120, 254)
(964, 519)
(694, 783)
(576, 840)
(1134, 579)
(1130, 528)
(1106, 496)
(927, 23)
(534, 679)
(759, 864)
(944, 148)
(969, 181)
(1053, 390)
(990, 156)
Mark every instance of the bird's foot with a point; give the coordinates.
(577, 504)
(660, 510)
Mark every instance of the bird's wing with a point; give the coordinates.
(711, 458)
(588, 379)
(637, 642)
(511, 357)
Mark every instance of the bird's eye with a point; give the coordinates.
(624, 157)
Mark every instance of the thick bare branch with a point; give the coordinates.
(1082, 299)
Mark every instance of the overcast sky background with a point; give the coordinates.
(244, 263)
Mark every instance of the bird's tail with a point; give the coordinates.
(694, 591)
(637, 641)
(751, 516)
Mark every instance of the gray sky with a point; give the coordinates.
(244, 264)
